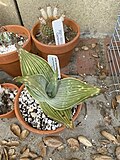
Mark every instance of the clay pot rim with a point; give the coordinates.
(27, 126)
(28, 38)
(8, 85)
(57, 46)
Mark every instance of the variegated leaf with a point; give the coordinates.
(64, 116)
(36, 85)
(32, 64)
(71, 92)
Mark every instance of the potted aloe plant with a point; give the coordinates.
(56, 98)
(43, 36)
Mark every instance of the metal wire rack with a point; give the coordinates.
(113, 55)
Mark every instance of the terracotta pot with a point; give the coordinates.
(27, 126)
(62, 51)
(10, 114)
(10, 62)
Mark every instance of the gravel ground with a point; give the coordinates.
(96, 116)
(89, 126)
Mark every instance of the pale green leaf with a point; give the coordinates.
(36, 85)
(32, 64)
(64, 116)
(72, 92)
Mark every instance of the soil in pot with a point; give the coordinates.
(7, 96)
(68, 31)
(28, 110)
(9, 40)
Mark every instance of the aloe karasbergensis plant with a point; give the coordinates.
(56, 97)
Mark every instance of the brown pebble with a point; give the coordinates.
(24, 158)
(24, 134)
(13, 157)
(109, 136)
(118, 138)
(13, 143)
(117, 152)
(11, 151)
(101, 157)
(73, 143)
(43, 149)
(15, 129)
(61, 147)
(102, 150)
(93, 45)
(32, 154)
(118, 98)
(85, 48)
(95, 55)
(38, 158)
(85, 141)
(76, 49)
(53, 141)
(25, 153)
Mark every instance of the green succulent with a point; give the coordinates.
(7, 38)
(56, 97)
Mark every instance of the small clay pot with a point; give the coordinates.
(27, 126)
(9, 62)
(63, 51)
(10, 114)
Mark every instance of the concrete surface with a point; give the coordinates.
(89, 127)
(8, 14)
(95, 17)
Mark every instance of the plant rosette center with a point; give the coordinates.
(34, 115)
(7, 96)
(9, 41)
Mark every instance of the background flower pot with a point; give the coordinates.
(62, 51)
(10, 114)
(25, 124)
(10, 62)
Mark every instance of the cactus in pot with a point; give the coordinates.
(45, 33)
(56, 97)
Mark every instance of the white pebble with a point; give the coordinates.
(4, 50)
(11, 95)
(34, 114)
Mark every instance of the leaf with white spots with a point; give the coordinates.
(72, 92)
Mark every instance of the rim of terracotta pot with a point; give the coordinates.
(57, 46)
(27, 126)
(25, 43)
(10, 114)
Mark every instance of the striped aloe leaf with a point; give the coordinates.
(71, 91)
(31, 64)
(37, 84)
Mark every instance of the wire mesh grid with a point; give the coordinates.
(113, 55)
